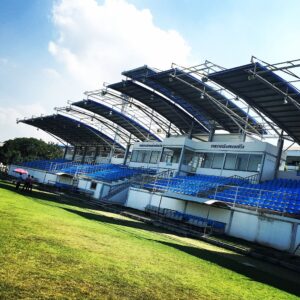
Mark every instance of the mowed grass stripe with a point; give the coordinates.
(54, 250)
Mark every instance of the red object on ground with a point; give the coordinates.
(20, 171)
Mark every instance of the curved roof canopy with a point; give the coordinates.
(72, 131)
(266, 91)
(118, 118)
(184, 121)
(143, 74)
(208, 101)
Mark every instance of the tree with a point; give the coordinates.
(27, 149)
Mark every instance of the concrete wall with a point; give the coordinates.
(117, 160)
(39, 175)
(274, 231)
(100, 190)
(268, 171)
(138, 199)
(297, 236)
(225, 173)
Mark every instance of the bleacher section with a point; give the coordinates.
(46, 165)
(192, 185)
(280, 195)
(102, 172)
(186, 218)
(117, 172)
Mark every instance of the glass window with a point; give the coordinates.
(154, 157)
(171, 155)
(93, 185)
(143, 156)
(80, 151)
(134, 156)
(146, 156)
(242, 162)
(218, 161)
(230, 161)
(254, 163)
(208, 158)
(70, 151)
(200, 158)
(91, 151)
(140, 156)
(188, 157)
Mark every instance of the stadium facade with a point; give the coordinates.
(204, 145)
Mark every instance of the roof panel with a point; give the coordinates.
(164, 107)
(194, 91)
(143, 74)
(266, 82)
(118, 118)
(72, 131)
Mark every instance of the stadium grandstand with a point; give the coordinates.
(207, 146)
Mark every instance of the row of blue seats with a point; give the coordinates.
(192, 185)
(281, 195)
(117, 173)
(46, 165)
(85, 168)
(279, 199)
(187, 218)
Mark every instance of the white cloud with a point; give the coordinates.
(9, 127)
(51, 73)
(97, 42)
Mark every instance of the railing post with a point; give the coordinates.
(259, 198)
(216, 191)
(235, 196)
(284, 198)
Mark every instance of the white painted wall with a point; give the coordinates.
(172, 203)
(120, 198)
(117, 160)
(268, 171)
(138, 199)
(39, 175)
(50, 178)
(268, 230)
(244, 226)
(65, 180)
(84, 184)
(273, 231)
(225, 173)
(297, 239)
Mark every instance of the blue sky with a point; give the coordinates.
(52, 51)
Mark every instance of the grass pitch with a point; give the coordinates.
(54, 250)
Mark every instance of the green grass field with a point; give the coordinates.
(55, 250)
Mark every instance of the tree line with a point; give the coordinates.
(28, 149)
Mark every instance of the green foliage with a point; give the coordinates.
(53, 249)
(27, 149)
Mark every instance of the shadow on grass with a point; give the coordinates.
(45, 195)
(120, 222)
(38, 195)
(225, 260)
(35, 194)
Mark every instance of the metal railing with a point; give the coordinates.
(280, 201)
